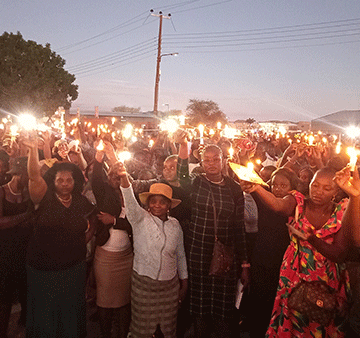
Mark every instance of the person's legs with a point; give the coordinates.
(202, 327)
(5, 310)
(122, 318)
(105, 320)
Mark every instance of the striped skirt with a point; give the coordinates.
(153, 302)
(113, 277)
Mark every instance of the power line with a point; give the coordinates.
(114, 55)
(270, 39)
(111, 38)
(125, 24)
(265, 31)
(89, 73)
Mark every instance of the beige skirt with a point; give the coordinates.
(153, 302)
(113, 277)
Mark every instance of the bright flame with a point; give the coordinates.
(258, 161)
(311, 140)
(182, 120)
(250, 166)
(353, 131)
(27, 121)
(14, 130)
(169, 125)
(211, 132)
(338, 148)
(231, 152)
(74, 121)
(353, 153)
(123, 156)
(113, 120)
(151, 143)
(100, 146)
(218, 125)
(201, 132)
(127, 132)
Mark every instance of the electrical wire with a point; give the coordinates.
(122, 25)
(114, 55)
(204, 6)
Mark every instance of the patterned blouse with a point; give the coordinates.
(314, 266)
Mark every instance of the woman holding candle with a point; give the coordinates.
(212, 298)
(318, 237)
(159, 278)
(56, 269)
(113, 255)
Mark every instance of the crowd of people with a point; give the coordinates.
(142, 232)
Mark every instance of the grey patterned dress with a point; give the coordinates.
(211, 295)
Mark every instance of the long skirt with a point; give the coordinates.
(56, 303)
(153, 302)
(113, 277)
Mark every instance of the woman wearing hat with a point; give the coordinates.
(159, 279)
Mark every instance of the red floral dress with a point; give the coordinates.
(314, 266)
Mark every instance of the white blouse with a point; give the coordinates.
(158, 246)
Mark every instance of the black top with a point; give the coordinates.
(58, 241)
(272, 238)
(107, 200)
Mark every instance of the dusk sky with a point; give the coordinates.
(284, 59)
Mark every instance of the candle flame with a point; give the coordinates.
(100, 146)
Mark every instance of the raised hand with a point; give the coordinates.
(346, 182)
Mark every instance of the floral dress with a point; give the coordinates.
(314, 266)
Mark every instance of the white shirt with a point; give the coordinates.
(158, 246)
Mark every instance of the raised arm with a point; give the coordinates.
(285, 206)
(37, 185)
(351, 218)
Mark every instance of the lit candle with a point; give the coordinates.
(100, 146)
(338, 148)
(123, 156)
(211, 132)
(201, 132)
(151, 143)
(311, 140)
(182, 120)
(231, 152)
(351, 151)
(250, 166)
(258, 161)
(219, 125)
(113, 120)
(77, 145)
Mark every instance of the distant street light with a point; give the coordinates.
(157, 79)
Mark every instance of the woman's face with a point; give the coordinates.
(212, 161)
(280, 186)
(322, 189)
(158, 205)
(169, 170)
(64, 182)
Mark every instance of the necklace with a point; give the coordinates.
(215, 182)
(14, 193)
(64, 200)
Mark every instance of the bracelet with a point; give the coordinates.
(245, 265)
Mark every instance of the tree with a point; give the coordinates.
(126, 109)
(250, 120)
(206, 112)
(33, 77)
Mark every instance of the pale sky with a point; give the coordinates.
(285, 59)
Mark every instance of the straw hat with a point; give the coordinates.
(159, 189)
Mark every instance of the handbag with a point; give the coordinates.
(315, 300)
(223, 255)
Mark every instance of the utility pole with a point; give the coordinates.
(158, 60)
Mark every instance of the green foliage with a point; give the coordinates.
(250, 120)
(33, 77)
(205, 112)
(126, 109)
